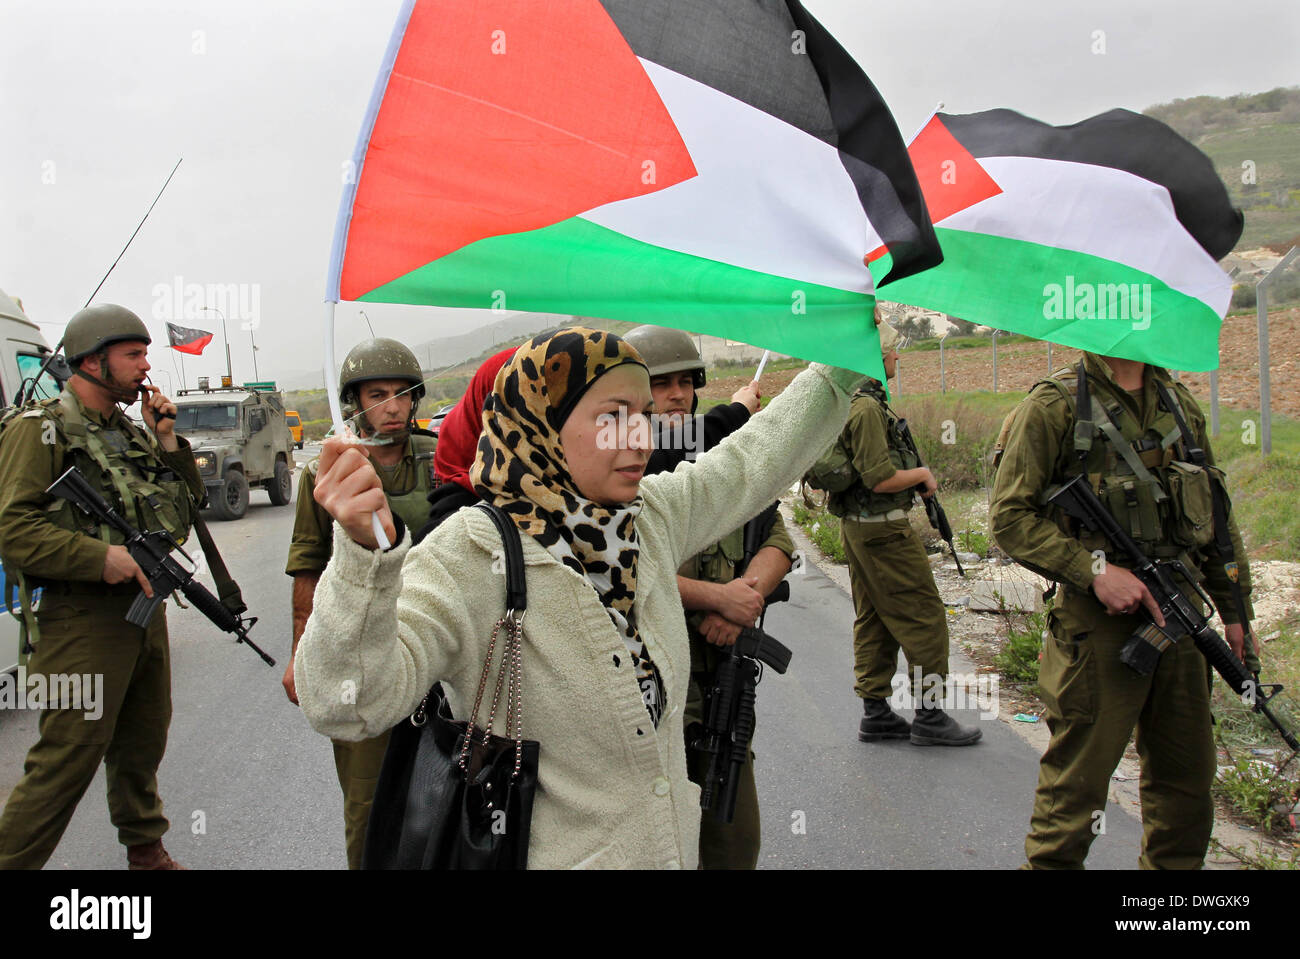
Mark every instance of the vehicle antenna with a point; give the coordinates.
(19, 399)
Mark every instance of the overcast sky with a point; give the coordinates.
(264, 99)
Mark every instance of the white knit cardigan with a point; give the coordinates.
(612, 790)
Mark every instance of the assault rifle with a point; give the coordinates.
(729, 700)
(152, 551)
(938, 518)
(729, 716)
(1182, 619)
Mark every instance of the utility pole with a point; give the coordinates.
(230, 375)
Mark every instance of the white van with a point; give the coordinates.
(22, 351)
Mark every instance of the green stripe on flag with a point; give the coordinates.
(577, 267)
(1043, 292)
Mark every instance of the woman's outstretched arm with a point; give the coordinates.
(737, 478)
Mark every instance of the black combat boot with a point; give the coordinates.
(881, 722)
(933, 727)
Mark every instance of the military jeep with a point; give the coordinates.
(240, 440)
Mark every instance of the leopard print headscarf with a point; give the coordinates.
(521, 468)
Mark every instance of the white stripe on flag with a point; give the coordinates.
(1097, 210)
(769, 197)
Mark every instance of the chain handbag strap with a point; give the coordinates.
(510, 674)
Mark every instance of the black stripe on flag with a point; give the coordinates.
(747, 50)
(180, 335)
(1122, 140)
(873, 152)
(739, 47)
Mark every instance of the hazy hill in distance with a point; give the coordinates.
(541, 322)
(1254, 141)
(444, 353)
(448, 351)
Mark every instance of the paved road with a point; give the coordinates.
(243, 764)
(886, 805)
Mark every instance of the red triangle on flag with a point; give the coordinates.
(951, 178)
(502, 117)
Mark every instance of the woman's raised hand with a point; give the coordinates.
(348, 488)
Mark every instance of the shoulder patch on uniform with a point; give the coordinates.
(1047, 394)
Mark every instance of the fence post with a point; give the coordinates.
(1214, 404)
(1050, 367)
(995, 360)
(943, 385)
(1261, 305)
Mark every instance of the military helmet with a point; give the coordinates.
(380, 359)
(889, 338)
(98, 326)
(666, 351)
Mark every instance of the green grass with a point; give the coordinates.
(968, 343)
(971, 541)
(1253, 790)
(1264, 489)
(724, 370)
(1017, 660)
(1271, 216)
(1239, 726)
(823, 529)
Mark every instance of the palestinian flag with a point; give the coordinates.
(1102, 235)
(185, 339)
(717, 167)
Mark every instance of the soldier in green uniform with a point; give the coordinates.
(894, 596)
(1141, 470)
(718, 603)
(381, 384)
(89, 581)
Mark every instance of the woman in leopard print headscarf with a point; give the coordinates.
(604, 546)
(522, 468)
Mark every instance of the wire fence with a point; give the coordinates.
(978, 368)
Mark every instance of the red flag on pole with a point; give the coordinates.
(187, 340)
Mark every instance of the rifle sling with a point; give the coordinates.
(227, 588)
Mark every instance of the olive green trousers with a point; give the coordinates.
(358, 766)
(1094, 702)
(127, 730)
(897, 606)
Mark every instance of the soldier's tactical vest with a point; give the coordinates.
(413, 505)
(1144, 478)
(857, 499)
(717, 563)
(124, 464)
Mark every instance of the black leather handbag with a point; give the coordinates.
(451, 794)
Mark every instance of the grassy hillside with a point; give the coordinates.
(1262, 130)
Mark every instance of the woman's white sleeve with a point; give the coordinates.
(731, 483)
(384, 627)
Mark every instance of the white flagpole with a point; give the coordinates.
(933, 113)
(761, 363)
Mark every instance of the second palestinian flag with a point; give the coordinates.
(186, 339)
(1103, 235)
(717, 167)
